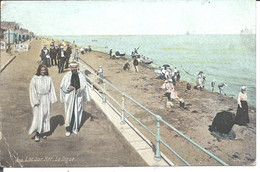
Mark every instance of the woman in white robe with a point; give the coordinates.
(42, 95)
(73, 99)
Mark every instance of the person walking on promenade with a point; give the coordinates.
(61, 59)
(42, 95)
(52, 55)
(73, 92)
(68, 53)
(242, 117)
(100, 74)
(44, 52)
(135, 63)
(76, 54)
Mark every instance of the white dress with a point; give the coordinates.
(72, 100)
(42, 92)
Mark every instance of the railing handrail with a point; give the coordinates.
(156, 116)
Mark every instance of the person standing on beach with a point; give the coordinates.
(242, 117)
(135, 63)
(110, 53)
(73, 92)
(221, 86)
(213, 85)
(68, 53)
(61, 59)
(53, 54)
(42, 95)
(43, 54)
(199, 80)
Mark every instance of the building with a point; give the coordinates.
(12, 33)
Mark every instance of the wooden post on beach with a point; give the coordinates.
(158, 138)
(123, 110)
(104, 94)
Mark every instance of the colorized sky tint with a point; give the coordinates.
(132, 17)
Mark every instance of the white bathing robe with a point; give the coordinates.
(42, 92)
(71, 99)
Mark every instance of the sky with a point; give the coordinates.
(167, 17)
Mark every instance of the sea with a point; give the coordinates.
(223, 58)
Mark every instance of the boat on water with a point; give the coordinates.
(146, 60)
(119, 54)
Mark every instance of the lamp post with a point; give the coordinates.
(9, 51)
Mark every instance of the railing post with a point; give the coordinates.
(104, 93)
(123, 110)
(158, 138)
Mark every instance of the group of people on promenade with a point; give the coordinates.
(58, 56)
(73, 92)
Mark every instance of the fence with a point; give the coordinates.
(158, 118)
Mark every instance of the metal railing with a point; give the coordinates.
(158, 118)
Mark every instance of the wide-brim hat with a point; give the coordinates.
(243, 87)
(165, 81)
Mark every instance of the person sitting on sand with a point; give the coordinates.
(126, 66)
(221, 86)
(170, 89)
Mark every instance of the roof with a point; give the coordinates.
(10, 24)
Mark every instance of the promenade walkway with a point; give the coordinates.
(98, 143)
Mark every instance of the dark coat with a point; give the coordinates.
(43, 55)
(59, 55)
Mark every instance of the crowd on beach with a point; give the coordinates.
(172, 76)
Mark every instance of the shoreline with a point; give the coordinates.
(151, 67)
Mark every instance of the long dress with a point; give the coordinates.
(242, 117)
(42, 92)
(73, 101)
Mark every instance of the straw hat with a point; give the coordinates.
(165, 81)
(170, 80)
